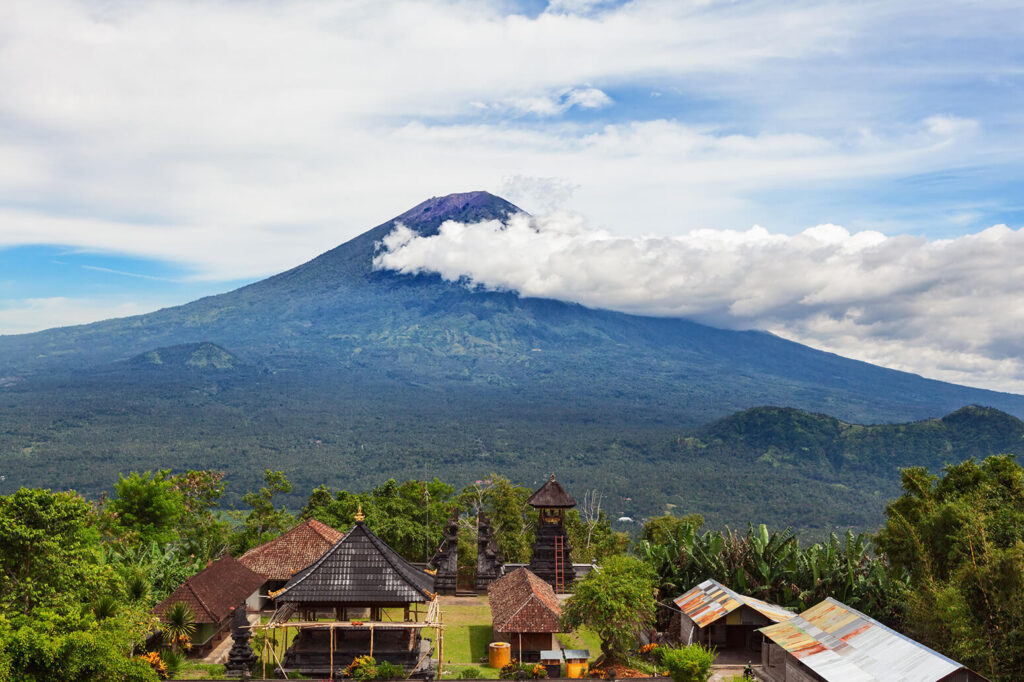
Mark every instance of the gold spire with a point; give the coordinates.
(359, 514)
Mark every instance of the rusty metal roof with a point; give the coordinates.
(841, 643)
(711, 600)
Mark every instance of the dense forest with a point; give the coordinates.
(79, 576)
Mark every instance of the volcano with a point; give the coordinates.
(348, 373)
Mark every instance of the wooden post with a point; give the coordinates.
(440, 644)
(371, 640)
(332, 651)
(263, 652)
(520, 648)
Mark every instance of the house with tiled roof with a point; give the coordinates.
(287, 554)
(715, 615)
(212, 595)
(525, 613)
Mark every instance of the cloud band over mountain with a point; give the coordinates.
(947, 309)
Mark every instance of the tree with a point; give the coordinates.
(409, 516)
(179, 626)
(514, 521)
(148, 505)
(617, 602)
(667, 528)
(960, 538)
(263, 522)
(50, 552)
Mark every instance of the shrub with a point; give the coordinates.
(173, 660)
(470, 673)
(688, 664)
(361, 668)
(511, 670)
(389, 671)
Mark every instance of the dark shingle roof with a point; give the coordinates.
(359, 569)
(522, 602)
(287, 554)
(551, 495)
(214, 591)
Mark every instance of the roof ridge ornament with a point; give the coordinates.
(359, 514)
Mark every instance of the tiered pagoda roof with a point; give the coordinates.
(359, 570)
(214, 591)
(287, 554)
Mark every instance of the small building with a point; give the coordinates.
(213, 594)
(287, 554)
(359, 598)
(551, 559)
(831, 642)
(524, 613)
(713, 614)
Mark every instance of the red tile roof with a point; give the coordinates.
(214, 591)
(291, 552)
(522, 602)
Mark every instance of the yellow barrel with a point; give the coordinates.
(499, 654)
(576, 668)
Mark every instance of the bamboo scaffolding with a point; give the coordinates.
(433, 620)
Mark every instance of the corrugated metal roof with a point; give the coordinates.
(359, 569)
(841, 643)
(711, 600)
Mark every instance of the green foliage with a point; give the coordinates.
(470, 673)
(771, 565)
(617, 602)
(53, 647)
(409, 516)
(961, 540)
(668, 528)
(689, 663)
(389, 671)
(504, 503)
(49, 552)
(147, 505)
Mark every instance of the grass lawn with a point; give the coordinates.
(582, 639)
(193, 670)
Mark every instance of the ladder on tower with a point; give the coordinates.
(559, 564)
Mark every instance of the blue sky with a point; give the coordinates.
(153, 152)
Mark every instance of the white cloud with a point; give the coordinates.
(947, 309)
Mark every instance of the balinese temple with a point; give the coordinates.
(552, 556)
(359, 598)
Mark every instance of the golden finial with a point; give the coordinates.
(359, 514)
(552, 477)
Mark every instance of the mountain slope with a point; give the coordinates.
(357, 373)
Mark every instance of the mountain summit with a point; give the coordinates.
(354, 358)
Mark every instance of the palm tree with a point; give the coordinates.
(179, 624)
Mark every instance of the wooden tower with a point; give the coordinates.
(552, 554)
